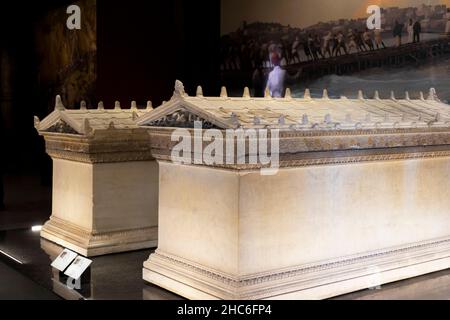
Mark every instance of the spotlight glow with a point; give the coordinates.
(36, 228)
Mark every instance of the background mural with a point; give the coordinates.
(326, 44)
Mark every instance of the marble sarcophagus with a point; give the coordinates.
(105, 181)
(361, 196)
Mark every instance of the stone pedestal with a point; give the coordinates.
(105, 181)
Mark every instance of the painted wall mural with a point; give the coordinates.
(327, 44)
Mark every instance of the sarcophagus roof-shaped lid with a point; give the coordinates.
(305, 113)
(84, 121)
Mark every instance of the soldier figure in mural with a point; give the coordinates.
(359, 40)
(295, 53)
(379, 39)
(410, 30)
(352, 41)
(417, 29)
(397, 33)
(307, 50)
(318, 46)
(312, 47)
(340, 44)
(367, 36)
(326, 46)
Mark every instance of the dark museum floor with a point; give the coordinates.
(25, 271)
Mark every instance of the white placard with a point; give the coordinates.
(78, 266)
(64, 260)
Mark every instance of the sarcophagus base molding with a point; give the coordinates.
(92, 244)
(316, 281)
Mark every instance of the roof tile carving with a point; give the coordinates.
(303, 113)
(84, 121)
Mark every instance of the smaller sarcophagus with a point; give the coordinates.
(105, 180)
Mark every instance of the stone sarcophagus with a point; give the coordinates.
(105, 181)
(361, 196)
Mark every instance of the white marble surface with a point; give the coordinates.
(219, 229)
(105, 207)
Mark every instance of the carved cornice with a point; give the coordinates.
(93, 158)
(331, 160)
(102, 147)
(298, 149)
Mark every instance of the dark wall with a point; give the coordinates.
(144, 46)
(18, 85)
(22, 150)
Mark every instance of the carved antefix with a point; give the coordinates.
(61, 127)
(181, 119)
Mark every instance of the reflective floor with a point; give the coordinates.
(119, 276)
(112, 277)
(25, 256)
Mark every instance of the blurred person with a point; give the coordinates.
(275, 48)
(277, 77)
(272, 49)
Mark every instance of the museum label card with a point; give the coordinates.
(78, 267)
(64, 260)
